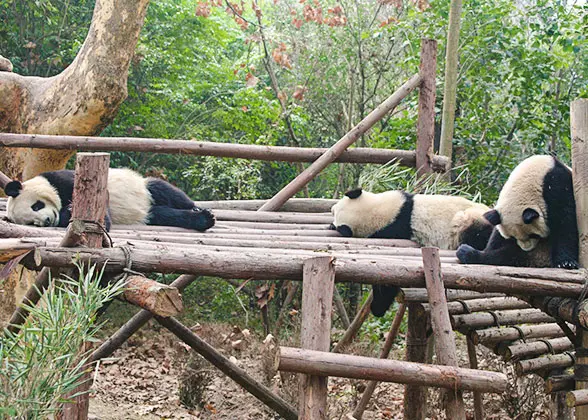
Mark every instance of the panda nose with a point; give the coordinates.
(47, 221)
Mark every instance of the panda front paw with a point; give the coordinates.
(567, 264)
(204, 219)
(467, 254)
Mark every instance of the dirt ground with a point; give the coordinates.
(145, 379)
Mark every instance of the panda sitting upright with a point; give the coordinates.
(45, 200)
(535, 218)
(430, 220)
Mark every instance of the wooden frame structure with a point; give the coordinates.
(250, 242)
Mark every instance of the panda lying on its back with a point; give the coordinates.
(45, 200)
(430, 220)
(535, 219)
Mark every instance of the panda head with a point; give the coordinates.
(33, 202)
(520, 211)
(362, 213)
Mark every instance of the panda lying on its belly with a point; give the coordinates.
(45, 200)
(430, 220)
(535, 218)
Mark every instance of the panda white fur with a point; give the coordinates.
(535, 218)
(430, 220)
(45, 200)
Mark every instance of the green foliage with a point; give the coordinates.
(43, 362)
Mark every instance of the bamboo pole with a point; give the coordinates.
(445, 348)
(579, 134)
(233, 371)
(385, 370)
(384, 352)
(200, 148)
(318, 282)
(415, 397)
(426, 112)
(338, 148)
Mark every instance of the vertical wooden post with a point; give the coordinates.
(579, 133)
(426, 117)
(318, 282)
(444, 336)
(478, 401)
(415, 397)
(89, 204)
(371, 386)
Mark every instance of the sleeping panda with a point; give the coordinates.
(45, 200)
(430, 220)
(535, 219)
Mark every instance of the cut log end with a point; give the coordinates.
(158, 298)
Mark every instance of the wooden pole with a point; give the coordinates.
(338, 148)
(340, 305)
(490, 336)
(234, 372)
(371, 386)
(322, 363)
(158, 298)
(444, 336)
(556, 383)
(577, 398)
(426, 115)
(318, 282)
(414, 295)
(450, 88)
(579, 134)
(200, 148)
(478, 397)
(355, 325)
(545, 363)
(89, 207)
(415, 397)
(509, 317)
(537, 348)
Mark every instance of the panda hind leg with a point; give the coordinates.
(383, 298)
(165, 194)
(197, 219)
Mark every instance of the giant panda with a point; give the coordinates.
(430, 220)
(535, 219)
(45, 200)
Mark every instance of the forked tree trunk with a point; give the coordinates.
(82, 100)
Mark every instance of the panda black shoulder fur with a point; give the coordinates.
(535, 218)
(429, 220)
(45, 200)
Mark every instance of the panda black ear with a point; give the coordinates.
(354, 193)
(529, 215)
(13, 188)
(493, 217)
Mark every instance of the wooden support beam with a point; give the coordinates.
(351, 332)
(577, 398)
(385, 370)
(233, 371)
(445, 348)
(557, 383)
(491, 336)
(415, 396)
(490, 304)
(340, 305)
(200, 148)
(537, 348)
(426, 112)
(478, 398)
(414, 295)
(338, 148)
(509, 317)
(384, 352)
(89, 207)
(158, 298)
(318, 282)
(296, 205)
(545, 363)
(579, 135)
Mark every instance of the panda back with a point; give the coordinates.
(129, 199)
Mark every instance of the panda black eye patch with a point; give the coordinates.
(534, 236)
(38, 206)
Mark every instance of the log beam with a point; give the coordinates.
(160, 299)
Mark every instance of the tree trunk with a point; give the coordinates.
(82, 100)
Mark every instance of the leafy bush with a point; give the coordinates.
(44, 361)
